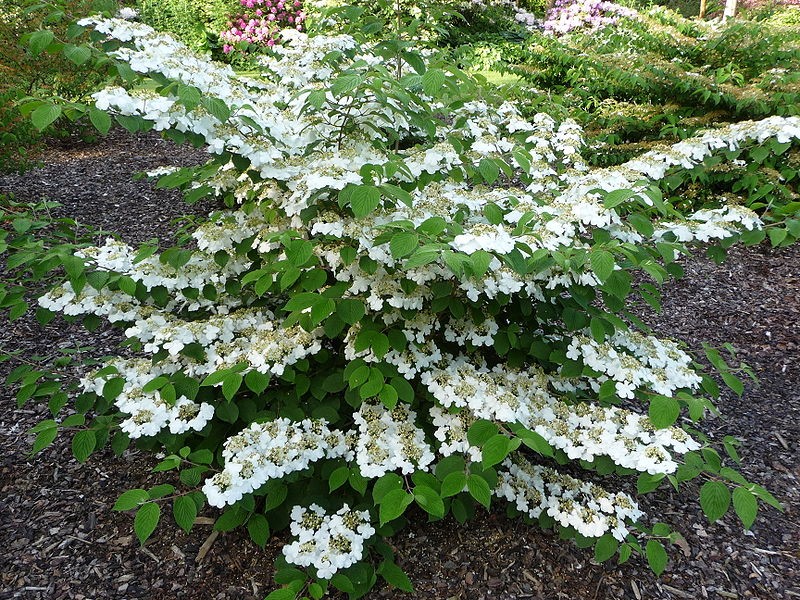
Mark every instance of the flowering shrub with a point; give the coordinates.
(261, 25)
(568, 15)
(413, 297)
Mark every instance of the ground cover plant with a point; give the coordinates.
(667, 65)
(408, 286)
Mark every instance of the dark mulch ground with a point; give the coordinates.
(60, 539)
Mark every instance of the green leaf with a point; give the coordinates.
(393, 504)
(302, 301)
(429, 500)
(155, 384)
(77, 54)
(315, 591)
(169, 463)
(364, 199)
(745, 505)
(75, 420)
(656, 556)
(387, 482)
(341, 582)
(480, 261)
(258, 528)
(776, 236)
(316, 98)
(132, 123)
(388, 396)
(203, 457)
(230, 519)
(231, 385)
(350, 310)
(131, 499)
(345, 84)
(479, 489)
(146, 520)
(43, 439)
(284, 593)
(256, 382)
(602, 263)
(641, 223)
(338, 478)
(733, 382)
(45, 115)
(373, 385)
(40, 40)
(184, 510)
(605, 548)
(358, 377)
(189, 96)
(217, 107)
(191, 477)
(395, 576)
(299, 251)
(617, 197)
(663, 411)
(480, 431)
(599, 335)
(83, 444)
(647, 482)
(113, 388)
(453, 484)
(432, 81)
(765, 496)
(403, 244)
(489, 170)
(715, 498)
(494, 450)
(535, 442)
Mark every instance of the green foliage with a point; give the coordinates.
(28, 30)
(197, 24)
(662, 65)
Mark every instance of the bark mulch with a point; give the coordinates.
(59, 538)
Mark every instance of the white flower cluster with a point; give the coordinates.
(299, 60)
(491, 238)
(707, 225)
(584, 506)
(389, 440)
(149, 412)
(198, 272)
(327, 542)
(245, 335)
(229, 228)
(451, 431)
(270, 450)
(248, 334)
(114, 306)
(652, 363)
(583, 431)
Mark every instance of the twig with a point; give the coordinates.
(201, 554)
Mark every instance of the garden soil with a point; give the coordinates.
(60, 539)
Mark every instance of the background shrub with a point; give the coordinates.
(24, 75)
(196, 24)
(18, 76)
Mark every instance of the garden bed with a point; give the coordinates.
(60, 539)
